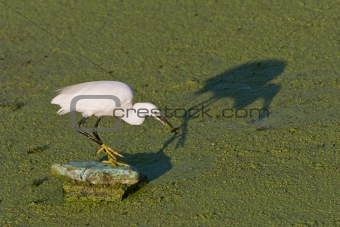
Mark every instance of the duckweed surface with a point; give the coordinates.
(261, 78)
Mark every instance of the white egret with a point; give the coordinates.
(106, 98)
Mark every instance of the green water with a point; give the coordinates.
(278, 170)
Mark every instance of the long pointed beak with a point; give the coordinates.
(167, 123)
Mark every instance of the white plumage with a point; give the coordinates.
(104, 106)
(89, 107)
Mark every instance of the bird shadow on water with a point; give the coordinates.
(244, 84)
(153, 165)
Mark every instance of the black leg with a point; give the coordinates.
(97, 139)
(95, 130)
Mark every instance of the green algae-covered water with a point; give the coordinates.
(261, 146)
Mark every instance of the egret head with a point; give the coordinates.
(137, 114)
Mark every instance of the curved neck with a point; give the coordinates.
(136, 114)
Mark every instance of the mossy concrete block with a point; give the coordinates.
(97, 173)
(75, 191)
(95, 181)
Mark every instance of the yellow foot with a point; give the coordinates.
(110, 153)
(114, 162)
(111, 156)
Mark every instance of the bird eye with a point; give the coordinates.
(155, 112)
